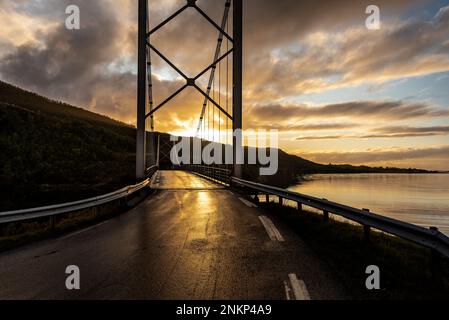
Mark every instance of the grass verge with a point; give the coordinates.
(405, 268)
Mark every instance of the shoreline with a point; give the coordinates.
(303, 177)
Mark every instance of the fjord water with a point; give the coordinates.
(422, 199)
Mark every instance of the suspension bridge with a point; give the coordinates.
(200, 233)
(219, 117)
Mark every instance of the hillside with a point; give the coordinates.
(15, 97)
(53, 152)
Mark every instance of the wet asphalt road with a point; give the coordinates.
(191, 240)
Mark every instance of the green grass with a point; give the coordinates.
(405, 267)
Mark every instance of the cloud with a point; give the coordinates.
(271, 24)
(19, 28)
(387, 132)
(323, 60)
(391, 110)
(417, 130)
(301, 127)
(95, 67)
(82, 66)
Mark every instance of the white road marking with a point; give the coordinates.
(287, 290)
(178, 201)
(84, 230)
(271, 229)
(298, 287)
(248, 203)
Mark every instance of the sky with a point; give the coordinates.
(336, 91)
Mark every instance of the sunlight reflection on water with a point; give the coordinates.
(422, 199)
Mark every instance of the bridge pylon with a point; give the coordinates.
(145, 105)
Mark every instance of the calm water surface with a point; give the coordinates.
(422, 199)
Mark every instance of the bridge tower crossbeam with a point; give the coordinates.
(145, 104)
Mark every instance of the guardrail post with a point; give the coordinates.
(435, 262)
(281, 201)
(299, 206)
(325, 214)
(52, 222)
(366, 230)
(267, 198)
(256, 198)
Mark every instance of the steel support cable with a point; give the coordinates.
(224, 24)
(213, 64)
(220, 29)
(227, 87)
(212, 100)
(204, 130)
(207, 121)
(150, 77)
(191, 81)
(219, 101)
(150, 92)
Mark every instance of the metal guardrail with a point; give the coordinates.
(216, 174)
(151, 171)
(430, 238)
(54, 210)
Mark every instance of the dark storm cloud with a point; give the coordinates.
(271, 23)
(395, 110)
(268, 25)
(73, 65)
(76, 65)
(71, 60)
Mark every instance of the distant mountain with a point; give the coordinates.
(53, 152)
(293, 168)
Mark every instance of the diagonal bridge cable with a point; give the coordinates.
(216, 60)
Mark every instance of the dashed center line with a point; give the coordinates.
(248, 203)
(296, 289)
(271, 229)
(288, 290)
